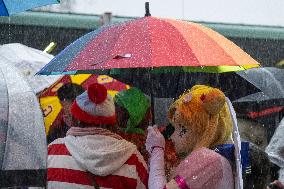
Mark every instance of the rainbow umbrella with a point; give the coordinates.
(146, 46)
(50, 103)
(163, 45)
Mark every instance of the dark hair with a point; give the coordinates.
(122, 116)
(81, 124)
(69, 91)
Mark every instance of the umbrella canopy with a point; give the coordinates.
(270, 81)
(155, 44)
(172, 85)
(258, 105)
(28, 60)
(22, 138)
(149, 46)
(9, 7)
(50, 103)
(275, 148)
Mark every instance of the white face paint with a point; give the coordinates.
(182, 138)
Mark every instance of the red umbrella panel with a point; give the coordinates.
(50, 103)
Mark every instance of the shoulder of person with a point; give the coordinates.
(57, 141)
(205, 159)
(204, 168)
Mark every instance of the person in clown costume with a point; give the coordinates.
(206, 141)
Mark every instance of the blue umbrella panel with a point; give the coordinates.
(9, 7)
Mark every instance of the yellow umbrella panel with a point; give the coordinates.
(50, 103)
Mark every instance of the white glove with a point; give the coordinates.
(154, 139)
(155, 145)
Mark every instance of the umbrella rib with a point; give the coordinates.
(149, 72)
(150, 39)
(201, 30)
(275, 80)
(5, 7)
(191, 50)
(124, 26)
(183, 38)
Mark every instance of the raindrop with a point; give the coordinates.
(194, 177)
(9, 29)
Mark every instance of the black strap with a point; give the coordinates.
(93, 180)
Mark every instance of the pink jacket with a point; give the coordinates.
(203, 169)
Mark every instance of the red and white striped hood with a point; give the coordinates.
(99, 154)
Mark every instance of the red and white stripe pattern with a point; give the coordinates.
(64, 172)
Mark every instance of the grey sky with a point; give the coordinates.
(254, 12)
